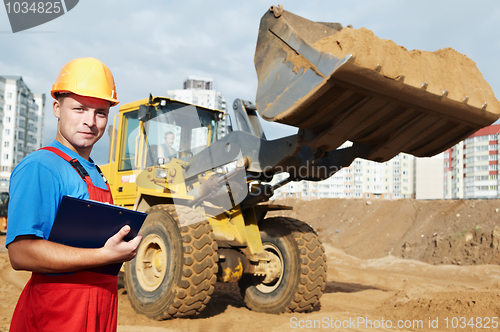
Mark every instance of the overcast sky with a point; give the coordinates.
(152, 46)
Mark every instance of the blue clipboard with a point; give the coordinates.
(89, 224)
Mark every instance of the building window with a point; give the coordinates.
(7, 131)
(6, 156)
(6, 144)
(9, 95)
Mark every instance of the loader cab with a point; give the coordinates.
(138, 144)
(165, 131)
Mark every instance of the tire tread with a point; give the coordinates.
(200, 263)
(313, 265)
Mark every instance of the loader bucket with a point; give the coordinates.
(334, 99)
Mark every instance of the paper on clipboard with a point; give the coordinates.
(89, 224)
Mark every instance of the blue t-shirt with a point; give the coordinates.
(37, 186)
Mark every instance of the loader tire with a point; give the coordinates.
(175, 270)
(303, 260)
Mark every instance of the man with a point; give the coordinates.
(166, 150)
(62, 295)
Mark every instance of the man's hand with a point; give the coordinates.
(28, 252)
(119, 251)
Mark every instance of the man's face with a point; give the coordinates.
(169, 139)
(82, 122)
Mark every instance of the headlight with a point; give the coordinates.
(161, 173)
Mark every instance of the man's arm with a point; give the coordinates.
(31, 253)
(161, 152)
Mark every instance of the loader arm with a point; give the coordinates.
(268, 158)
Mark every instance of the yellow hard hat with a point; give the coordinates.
(86, 77)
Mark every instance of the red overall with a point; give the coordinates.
(84, 301)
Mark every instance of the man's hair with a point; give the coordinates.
(168, 133)
(61, 95)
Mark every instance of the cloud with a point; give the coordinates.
(152, 46)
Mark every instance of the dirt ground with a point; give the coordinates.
(392, 266)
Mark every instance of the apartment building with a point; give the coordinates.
(471, 166)
(21, 129)
(199, 91)
(393, 179)
(429, 173)
(2, 104)
(468, 170)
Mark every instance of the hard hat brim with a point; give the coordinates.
(56, 91)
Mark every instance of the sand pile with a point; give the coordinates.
(454, 232)
(445, 69)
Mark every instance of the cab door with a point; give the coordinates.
(127, 158)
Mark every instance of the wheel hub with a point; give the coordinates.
(274, 269)
(158, 263)
(151, 262)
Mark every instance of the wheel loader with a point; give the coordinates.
(207, 199)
